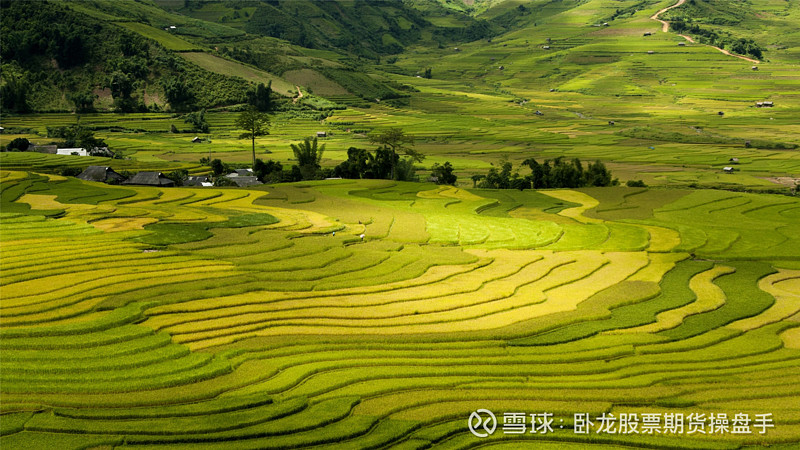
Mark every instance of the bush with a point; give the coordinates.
(635, 183)
(18, 145)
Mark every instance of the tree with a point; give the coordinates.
(260, 97)
(122, 86)
(308, 156)
(217, 167)
(18, 145)
(83, 101)
(268, 172)
(444, 174)
(255, 123)
(178, 94)
(396, 141)
(197, 120)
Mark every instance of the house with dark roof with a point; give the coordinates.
(101, 174)
(245, 181)
(198, 181)
(150, 179)
(240, 173)
(49, 149)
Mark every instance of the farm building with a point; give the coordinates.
(50, 149)
(734, 160)
(727, 169)
(546, 47)
(322, 134)
(197, 140)
(245, 181)
(764, 104)
(681, 44)
(72, 151)
(198, 181)
(754, 68)
(240, 173)
(650, 52)
(647, 33)
(101, 174)
(150, 179)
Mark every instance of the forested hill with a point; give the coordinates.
(180, 55)
(54, 58)
(133, 56)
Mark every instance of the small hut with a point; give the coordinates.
(727, 169)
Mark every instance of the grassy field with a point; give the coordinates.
(380, 314)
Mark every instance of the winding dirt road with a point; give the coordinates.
(665, 28)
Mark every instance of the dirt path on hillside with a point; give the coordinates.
(665, 24)
(665, 28)
(299, 94)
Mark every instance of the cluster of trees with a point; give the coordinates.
(73, 136)
(556, 173)
(741, 46)
(443, 174)
(78, 136)
(385, 162)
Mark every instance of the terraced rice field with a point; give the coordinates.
(228, 318)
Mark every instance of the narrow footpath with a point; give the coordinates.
(665, 28)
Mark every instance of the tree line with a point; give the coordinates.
(555, 173)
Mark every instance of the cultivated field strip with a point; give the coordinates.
(250, 333)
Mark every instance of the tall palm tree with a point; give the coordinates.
(308, 156)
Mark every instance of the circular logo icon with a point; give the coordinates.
(482, 423)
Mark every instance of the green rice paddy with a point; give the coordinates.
(265, 329)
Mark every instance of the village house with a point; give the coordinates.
(245, 181)
(241, 173)
(101, 174)
(198, 181)
(49, 149)
(150, 179)
(72, 151)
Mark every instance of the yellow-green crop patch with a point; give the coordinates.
(277, 330)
